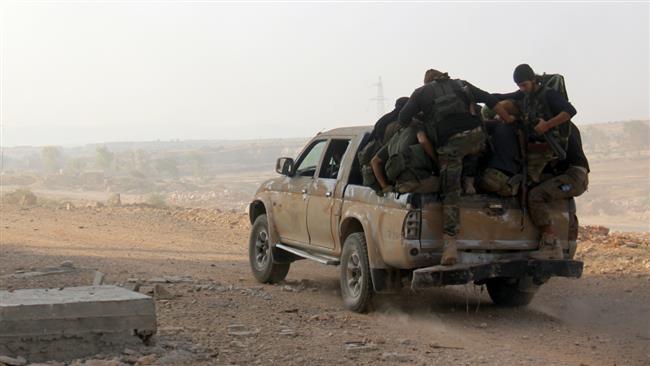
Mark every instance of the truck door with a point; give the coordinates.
(290, 205)
(322, 198)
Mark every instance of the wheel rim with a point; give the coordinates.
(354, 274)
(262, 249)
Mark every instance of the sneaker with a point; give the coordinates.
(449, 252)
(549, 248)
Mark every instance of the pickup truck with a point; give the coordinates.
(318, 209)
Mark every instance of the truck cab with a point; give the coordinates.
(318, 209)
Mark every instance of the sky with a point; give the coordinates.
(76, 72)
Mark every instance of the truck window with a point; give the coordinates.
(309, 160)
(333, 157)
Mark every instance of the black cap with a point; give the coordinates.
(401, 102)
(523, 73)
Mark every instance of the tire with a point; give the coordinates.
(260, 254)
(511, 292)
(356, 283)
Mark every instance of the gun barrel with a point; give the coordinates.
(555, 146)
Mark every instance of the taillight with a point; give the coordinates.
(412, 225)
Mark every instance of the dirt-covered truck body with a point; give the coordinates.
(318, 207)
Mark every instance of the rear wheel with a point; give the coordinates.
(260, 254)
(511, 292)
(356, 284)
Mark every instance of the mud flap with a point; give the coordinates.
(538, 270)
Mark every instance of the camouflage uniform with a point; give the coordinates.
(451, 167)
(572, 183)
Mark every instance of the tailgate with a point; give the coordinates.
(489, 223)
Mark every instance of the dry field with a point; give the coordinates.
(201, 254)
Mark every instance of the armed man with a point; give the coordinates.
(549, 137)
(571, 179)
(456, 130)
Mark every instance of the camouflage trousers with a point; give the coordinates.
(451, 157)
(572, 183)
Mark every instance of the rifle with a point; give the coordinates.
(522, 136)
(552, 142)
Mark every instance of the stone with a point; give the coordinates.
(114, 200)
(146, 360)
(99, 278)
(395, 357)
(67, 264)
(161, 293)
(73, 322)
(239, 330)
(11, 361)
(356, 347)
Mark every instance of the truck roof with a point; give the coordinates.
(347, 131)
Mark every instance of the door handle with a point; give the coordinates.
(328, 194)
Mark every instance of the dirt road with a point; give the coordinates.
(600, 319)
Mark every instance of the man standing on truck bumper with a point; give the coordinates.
(570, 180)
(453, 124)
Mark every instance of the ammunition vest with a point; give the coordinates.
(535, 106)
(448, 99)
(407, 160)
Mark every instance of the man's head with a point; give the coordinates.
(433, 74)
(525, 78)
(401, 102)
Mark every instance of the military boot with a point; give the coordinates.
(549, 248)
(449, 251)
(468, 185)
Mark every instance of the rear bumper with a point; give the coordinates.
(539, 270)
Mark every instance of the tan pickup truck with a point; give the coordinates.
(319, 210)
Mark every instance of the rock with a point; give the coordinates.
(99, 278)
(133, 286)
(113, 362)
(395, 357)
(483, 325)
(67, 264)
(355, 346)
(28, 199)
(146, 360)
(160, 293)
(287, 332)
(114, 200)
(239, 330)
(10, 361)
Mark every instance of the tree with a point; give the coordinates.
(167, 167)
(104, 158)
(52, 158)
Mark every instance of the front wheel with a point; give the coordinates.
(356, 284)
(511, 292)
(260, 254)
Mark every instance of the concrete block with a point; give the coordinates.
(53, 324)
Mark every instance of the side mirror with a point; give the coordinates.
(284, 166)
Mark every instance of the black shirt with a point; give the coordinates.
(555, 101)
(575, 156)
(506, 154)
(422, 100)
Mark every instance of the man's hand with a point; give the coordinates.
(542, 126)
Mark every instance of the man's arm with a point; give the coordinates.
(559, 106)
(426, 145)
(377, 164)
(516, 95)
(377, 168)
(411, 108)
(482, 96)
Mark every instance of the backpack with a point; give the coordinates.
(406, 158)
(447, 99)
